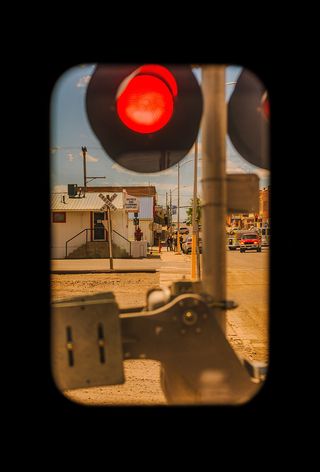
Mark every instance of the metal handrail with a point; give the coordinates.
(92, 229)
(86, 229)
(123, 237)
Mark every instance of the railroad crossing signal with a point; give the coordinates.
(108, 204)
(248, 119)
(146, 117)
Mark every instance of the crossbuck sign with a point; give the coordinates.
(108, 204)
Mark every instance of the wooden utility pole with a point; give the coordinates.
(110, 238)
(84, 153)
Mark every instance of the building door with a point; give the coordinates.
(99, 232)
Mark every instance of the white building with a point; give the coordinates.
(145, 216)
(77, 228)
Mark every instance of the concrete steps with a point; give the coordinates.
(97, 250)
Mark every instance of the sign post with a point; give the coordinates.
(110, 238)
(109, 207)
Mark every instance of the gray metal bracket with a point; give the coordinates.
(198, 363)
(86, 347)
(91, 339)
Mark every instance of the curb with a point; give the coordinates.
(102, 271)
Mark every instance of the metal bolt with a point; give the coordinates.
(198, 330)
(183, 331)
(190, 317)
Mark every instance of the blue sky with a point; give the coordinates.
(70, 130)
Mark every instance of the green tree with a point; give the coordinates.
(190, 211)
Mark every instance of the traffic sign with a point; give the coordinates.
(242, 193)
(131, 204)
(113, 196)
(108, 204)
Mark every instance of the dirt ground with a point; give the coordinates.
(246, 331)
(142, 386)
(129, 289)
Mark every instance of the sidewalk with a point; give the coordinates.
(87, 266)
(164, 261)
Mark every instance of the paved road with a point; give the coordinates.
(248, 285)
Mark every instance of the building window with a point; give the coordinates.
(59, 217)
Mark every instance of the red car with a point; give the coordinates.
(250, 241)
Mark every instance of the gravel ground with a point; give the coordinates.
(142, 386)
(246, 328)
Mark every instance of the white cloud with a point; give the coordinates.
(59, 189)
(170, 171)
(236, 168)
(239, 165)
(83, 81)
(166, 187)
(89, 158)
(123, 170)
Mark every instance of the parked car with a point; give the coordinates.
(184, 230)
(234, 240)
(250, 241)
(187, 245)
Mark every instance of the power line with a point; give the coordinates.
(57, 148)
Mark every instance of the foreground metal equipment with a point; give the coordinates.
(91, 339)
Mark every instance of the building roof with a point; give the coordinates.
(135, 191)
(91, 202)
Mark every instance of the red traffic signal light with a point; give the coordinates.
(145, 101)
(146, 118)
(248, 119)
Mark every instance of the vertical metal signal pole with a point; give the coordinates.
(178, 234)
(214, 128)
(195, 246)
(167, 212)
(110, 238)
(170, 202)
